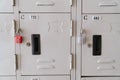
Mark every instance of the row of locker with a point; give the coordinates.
(45, 49)
(58, 78)
(89, 6)
(101, 78)
(36, 5)
(53, 31)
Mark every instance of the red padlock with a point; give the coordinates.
(18, 39)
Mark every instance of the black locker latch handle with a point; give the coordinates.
(97, 45)
(36, 48)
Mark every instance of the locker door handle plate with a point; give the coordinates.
(45, 3)
(107, 4)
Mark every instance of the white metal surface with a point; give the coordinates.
(7, 45)
(45, 5)
(46, 78)
(101, 78)
(6, 5)
(54, 30)
(106, 64)
(7, 78)
(101, 6)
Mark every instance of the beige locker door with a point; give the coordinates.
(45, 5)
(100, 52)
(7, 78)
(101, 78)
(46, 78)
(101, 6)
(49, 39)
(6, 5)
(7, 46)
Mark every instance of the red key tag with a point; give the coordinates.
(18, 39)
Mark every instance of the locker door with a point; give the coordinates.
(46, 46)
(7, 78)
(45, 5)
(6, 5)
(46, 78)
(7, 46)
(100, 52)
(101, 6)
(102, 78)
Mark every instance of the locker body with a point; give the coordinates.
(101, 6)
(45, 5)
(101, 78)
(7, 78)
(100, 55)
(7, 46)
(46, 78)
(46, 44)
(6, 5)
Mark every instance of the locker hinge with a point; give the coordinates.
(14, 25)
(13, 2)
(71, 2)
(71, 61)
(16, 62)
(71, 28)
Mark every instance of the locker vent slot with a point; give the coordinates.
(36, 48)
(97, 45)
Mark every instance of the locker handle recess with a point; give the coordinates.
(36, 48)
(107, 4)
(45, 3)
(97, 45)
